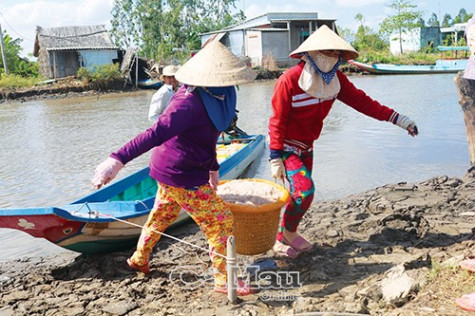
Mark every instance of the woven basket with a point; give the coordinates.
(255, 226)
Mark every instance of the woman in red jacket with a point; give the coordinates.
(303, 96)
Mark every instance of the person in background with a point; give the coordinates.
(162, 97)
(184, 161)
(470, 37)
(303, 96)
(467, 301)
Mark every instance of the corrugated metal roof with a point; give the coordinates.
(80, 48)
(272, 17)
(73, 37)
(268, 29)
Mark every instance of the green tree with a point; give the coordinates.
(462, 17)
(160, 28)
(124, 32)
(404, 19)
(16, 64)
(365, 38)
(447, 21)
(433, 21)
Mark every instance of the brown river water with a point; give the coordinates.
(50, 148)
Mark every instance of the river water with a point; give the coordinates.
(50, 148)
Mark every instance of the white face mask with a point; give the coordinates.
(312, 82)
(324, 63)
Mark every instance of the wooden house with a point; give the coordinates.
(61, 51)
(271, 34)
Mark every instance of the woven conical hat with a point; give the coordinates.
(214, 66)
(325, 39)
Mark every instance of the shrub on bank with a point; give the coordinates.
(13, 81)
(419, 58)
(100, 77)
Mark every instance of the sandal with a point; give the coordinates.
(243, 289)
(144, 269)
(468, 264)
(284, 250)
(466, 302)
(300, 244)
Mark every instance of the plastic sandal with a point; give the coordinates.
(144, 269)
(283, 250)
(242, 290)
(468, 264)
(300, 244)
(466, 302)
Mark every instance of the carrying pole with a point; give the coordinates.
(136, 69)
(4, 56)
(231, 269)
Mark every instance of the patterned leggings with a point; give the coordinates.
(298, 169)
(205, 207)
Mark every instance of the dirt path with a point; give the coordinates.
(416, 232)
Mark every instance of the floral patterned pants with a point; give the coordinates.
(298, 170)
(205, 207)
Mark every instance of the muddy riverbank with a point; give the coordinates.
(415, 232)
(72, 87)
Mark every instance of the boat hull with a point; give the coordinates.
(441, 66)
(110, 219)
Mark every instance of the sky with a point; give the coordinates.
(20, 17)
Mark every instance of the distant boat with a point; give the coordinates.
(96, 223)
(440, 66)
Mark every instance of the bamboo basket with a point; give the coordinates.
(255, 226)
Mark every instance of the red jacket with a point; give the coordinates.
(299, 116)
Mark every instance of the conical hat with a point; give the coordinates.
(325, 39)
(214, 66)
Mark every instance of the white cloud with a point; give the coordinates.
(20, 19)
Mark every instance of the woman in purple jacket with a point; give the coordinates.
(184, 156)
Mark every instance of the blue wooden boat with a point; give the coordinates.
(96, 222)
(149, 83)
(441, 65)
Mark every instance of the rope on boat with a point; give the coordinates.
(161, 233)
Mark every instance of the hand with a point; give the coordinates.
(407, 124)
(277, 168)
(106, 171)
(214, 179)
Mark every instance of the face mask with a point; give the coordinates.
(324, 63)
(329, 65)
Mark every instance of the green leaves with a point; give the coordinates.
(406, 17)
(166, 29)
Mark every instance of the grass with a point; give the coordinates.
(420, 58)
(444, 284)
(16, 81)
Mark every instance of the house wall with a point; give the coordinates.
(254, 47)
(276, 43)
(235, 42)
(65, 63)
(43, 63)
(411, 42)
(431, 36)
(92, 57)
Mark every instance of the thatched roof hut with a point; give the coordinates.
(61, 51)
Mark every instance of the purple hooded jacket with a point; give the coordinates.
(183, 141)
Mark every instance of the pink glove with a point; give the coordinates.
(106, 171)
(214, 179)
